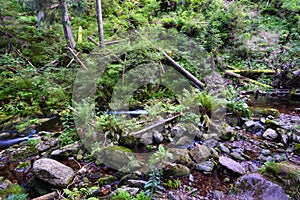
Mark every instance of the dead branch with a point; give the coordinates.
(49, 196)
(154, 125)
(75, 55)
(182, 70)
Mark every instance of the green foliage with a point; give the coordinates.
(17, 197)
(124, 195)
(76, 193)
(153, 186)
(172, 184)
(269, 167)
(159, 158)
(26, 124)
(69, 134)
(13, 191)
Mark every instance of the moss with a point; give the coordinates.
(297, 149)
(8, 188)
(266, 112)
(106, 180)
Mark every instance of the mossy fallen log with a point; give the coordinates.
(240, 77)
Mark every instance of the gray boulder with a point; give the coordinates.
(53, 172)
(270, 134)
(200, 153)
(231, 165)
(255, 186)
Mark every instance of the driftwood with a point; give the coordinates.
(154, 126)
(49, 196)
(233, 74)
(75, 55)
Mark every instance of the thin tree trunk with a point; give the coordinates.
(66, 24)
(100, 22)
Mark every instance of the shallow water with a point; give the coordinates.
(284, 104)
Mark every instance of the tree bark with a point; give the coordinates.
(66, 24)
(100, 23)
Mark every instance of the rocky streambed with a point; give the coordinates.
(259, 160)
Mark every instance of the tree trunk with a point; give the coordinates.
(66, 24)
(100, 22)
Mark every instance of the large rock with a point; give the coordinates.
(118, 157)
(200, 153)
(270, 134)
(180, 156)
(231, 165)
(53, 172)
(288, 175)
(176, 170)
(254, 186)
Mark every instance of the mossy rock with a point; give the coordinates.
(287, 175)
(297, 149)
(272, 124)
(267, 112)
(117, 157)
(106, 180)
(23, 152)
(176, 170)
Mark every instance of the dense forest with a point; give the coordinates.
(150, 99)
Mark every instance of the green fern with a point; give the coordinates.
(153, 186)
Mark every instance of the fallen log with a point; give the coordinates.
(154, 126)
(231, 73)
(253, 72)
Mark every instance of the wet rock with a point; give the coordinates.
(224, 148)
(53, 172)
(181, 156)
(231, 165)
(184, 142)
(254, 186)
(252, 126)
(147, 138)
(172, 196)
(200, 153)
(131, 190)
(157, 136)
(70, 150)
(43, 146)
(176, 170)
(237, 156)
(193, 130)
(266, 152)
(211, 143)
(228, 134)
(270, 134)
(210, 136)
(205, 167)
(4, 135)
(178, 131)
